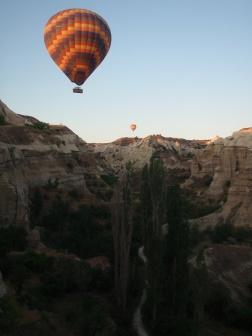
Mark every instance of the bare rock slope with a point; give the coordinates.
(228, 164)
(35, 154)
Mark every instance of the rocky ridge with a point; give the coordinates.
(216, 174)
(37, 154)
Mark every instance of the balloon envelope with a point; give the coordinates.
(77, 40)
(133, 127)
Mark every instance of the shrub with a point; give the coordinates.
(78, 231)
(195, 236)
(75, 194)
(52, 184)
(40, 125)
(207, 180)
(96, 319)
(37, 262)
(110, 179)
(9, 315)
(90, 316)
(12, 238)
(242, 318)
(221, 233)
(101, 281)
(65, 276)
(53, 285)
(36, 205)
(227, 184)
(224, 231)
(218, 303)
(2, 120)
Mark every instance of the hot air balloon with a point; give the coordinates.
(133, 127)
(77, 40)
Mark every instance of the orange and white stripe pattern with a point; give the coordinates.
(77, 40)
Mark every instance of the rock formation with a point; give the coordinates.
(215, 173)
(34, 155)
(228, 267)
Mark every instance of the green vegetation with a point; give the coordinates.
(80, 297)
(40, 126)
(224, 232)
(40, 281)
(96, 320)
(153, 197)
(36, 205)
(122, 228)
(65, 276)
(9, 315)
(74, 194)
(219, 306)
(175, 314)
(203, 181)
(52, 184)
(176, 256)
(100, 186)
(195, 208)
(2, 120)
(12, 238)
(110, 179)
(221, 233)
(78, 231)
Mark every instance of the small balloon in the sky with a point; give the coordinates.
(133, 127)
(77, 40)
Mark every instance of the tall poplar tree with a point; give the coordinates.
(176, 260)
(153, 194)
(122, 226)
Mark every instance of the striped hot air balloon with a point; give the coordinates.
(77, 40)
(133, 127)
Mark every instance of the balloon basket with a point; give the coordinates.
(77, 90)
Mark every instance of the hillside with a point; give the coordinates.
(56, 228)
(216, 172)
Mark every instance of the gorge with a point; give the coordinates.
(55, 200)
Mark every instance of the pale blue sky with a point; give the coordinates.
(180, 68)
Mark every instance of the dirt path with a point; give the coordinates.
(137, 318)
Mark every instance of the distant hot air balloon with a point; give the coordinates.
(133, 127)
(77, 40)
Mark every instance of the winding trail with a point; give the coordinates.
(137, 318)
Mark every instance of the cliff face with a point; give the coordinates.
(216, 174)
(37, 154)
(176, 153)
(228, 267)
(228, 164)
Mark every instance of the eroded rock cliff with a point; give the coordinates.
(227, 163)
(38, 154)
(215, 174)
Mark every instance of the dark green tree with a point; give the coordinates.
(153, 195)
(2, 120)
(175, 260)
(122, 226)
(36, 205)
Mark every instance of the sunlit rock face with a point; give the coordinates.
(9, 116)
(216, 173)
(31, 157)
(176, 153)
(228, 162)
